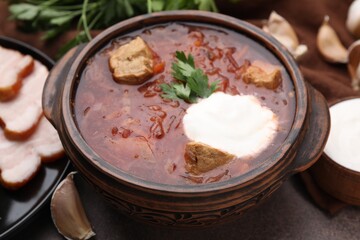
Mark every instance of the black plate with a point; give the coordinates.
(17, 208)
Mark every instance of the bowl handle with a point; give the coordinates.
(317, 132)
(53, 88)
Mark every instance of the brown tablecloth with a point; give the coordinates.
(306, 16)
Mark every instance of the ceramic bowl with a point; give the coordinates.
(187, 206)
(334, 177)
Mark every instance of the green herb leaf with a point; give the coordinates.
(177, 91)
(194, 82)
(24, 11)
(169, 91)
(184, 67)
(50, 13)
(184, 92)
(199, 83)
(128, 8)
(157, 5)
(61, 20)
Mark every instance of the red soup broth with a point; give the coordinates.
(134, 129)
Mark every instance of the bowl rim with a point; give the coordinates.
(192, 16)
(325, 155)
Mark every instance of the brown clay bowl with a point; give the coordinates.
(186, 206)
(335, 179)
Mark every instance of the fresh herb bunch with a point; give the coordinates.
(193, 82)
(57, 16)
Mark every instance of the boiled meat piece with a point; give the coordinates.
(201, 158)
(263, 75)
(132, 63)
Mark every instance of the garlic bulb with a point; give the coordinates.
(329, 44)
(68, 213)
(281, 29)
(353, 18)
(354, 65)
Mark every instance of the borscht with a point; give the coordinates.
(184, 103)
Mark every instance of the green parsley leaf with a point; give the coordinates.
(178, 91)
(184, 67)
(169, 91)
(194, 82)
(182, 91)
(199, 83)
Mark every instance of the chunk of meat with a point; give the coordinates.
(14, 67)
(132, 63)
(263, 75)
(20, 116)
(20, 160)
(201, 158)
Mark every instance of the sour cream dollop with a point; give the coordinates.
(239, 125)
(343, 145)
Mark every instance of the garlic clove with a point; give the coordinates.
(329, 44)
(299, 51)
(353, 18)
(281, 29)
(68, 213)
(354, 64)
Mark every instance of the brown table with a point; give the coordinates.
(288, 214)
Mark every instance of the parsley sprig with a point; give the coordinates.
(192, 83)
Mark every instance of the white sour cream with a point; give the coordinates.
(235, 124)
(343, 145)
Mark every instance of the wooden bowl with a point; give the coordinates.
(335, 179)
(185, 206)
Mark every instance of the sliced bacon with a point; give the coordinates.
(20, 160)
(14, 67)
(20, 116)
